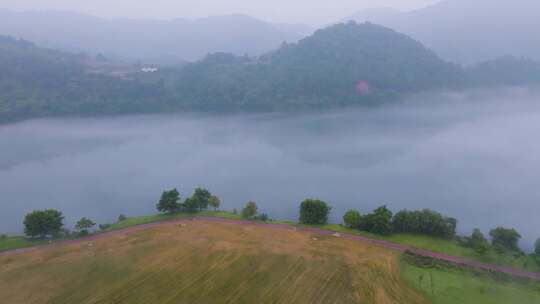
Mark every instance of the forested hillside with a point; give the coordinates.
(343, 65)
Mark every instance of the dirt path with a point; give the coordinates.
(399, 247)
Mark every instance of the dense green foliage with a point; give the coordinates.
(424, 221)
(84, 224)
(379, 221)
(314, 211)
(342, 65)
(43, 223)
(169, 201)
(476, 241)
(505, 239)
(352, 219)
(537, 247)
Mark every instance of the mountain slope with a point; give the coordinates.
(169, 41)
(467, 31)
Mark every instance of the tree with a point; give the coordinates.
(537, 247)
(250, 210)
(84, 224)
(199, 200)
(214, 202)
(168, 203)
(314, 211)
(352, 219)
(424, 222)
(505, 239)
(122, 218)
(43, 223)
(379, 221)
(479, 242)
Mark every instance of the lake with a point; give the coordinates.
(473, 156)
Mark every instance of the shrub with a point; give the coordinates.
(105, 226)
(122, 218)
(537, 247)
(3, 237)
(261, 217)
(352, 219)
(313, 211)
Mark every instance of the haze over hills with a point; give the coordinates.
(467, 31)
(158, 41)
(343, 65)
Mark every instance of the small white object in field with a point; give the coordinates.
(315, 239)
(337, 234)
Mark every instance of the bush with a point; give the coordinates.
(379, 221)
(313, 211)
(537, 247)
(105, 226)
(250, 210)
(261, 217)
(3, 237)
(504, 239)
(352, 219)
(122, 218)
(424, 222)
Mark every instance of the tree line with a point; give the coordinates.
(49, 223)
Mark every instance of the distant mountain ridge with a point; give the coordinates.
(468, 31)
(161, 41)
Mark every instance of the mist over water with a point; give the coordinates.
(474, 156)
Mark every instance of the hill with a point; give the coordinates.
(342, 65)
(158, 41)
(203, 262)
(345, 64)
(467, 31)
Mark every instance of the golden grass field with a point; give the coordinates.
(206, 262)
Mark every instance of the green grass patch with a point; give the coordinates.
(17, 242)
(446, 286)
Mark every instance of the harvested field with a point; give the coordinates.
(206, 262)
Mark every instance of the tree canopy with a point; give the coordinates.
(314, 211)
(505, 239)
(43, 223)
(169, 201)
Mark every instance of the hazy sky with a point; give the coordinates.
(298, 11)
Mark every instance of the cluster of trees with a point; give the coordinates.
(170, 201)
(314, 212)
(50, 223)
(383, 221)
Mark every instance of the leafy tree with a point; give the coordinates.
(168, 203)
(199, 200)
(250, 210)
(537, 247)
(84, 224)
(352, 219)
(214, 202)
(314, 211)
(122, 218)
(505, 239)
(43, 223)
(379, 221)
(479, 242)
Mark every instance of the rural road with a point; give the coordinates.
(398, 247)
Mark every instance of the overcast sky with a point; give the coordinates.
(313, 12)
